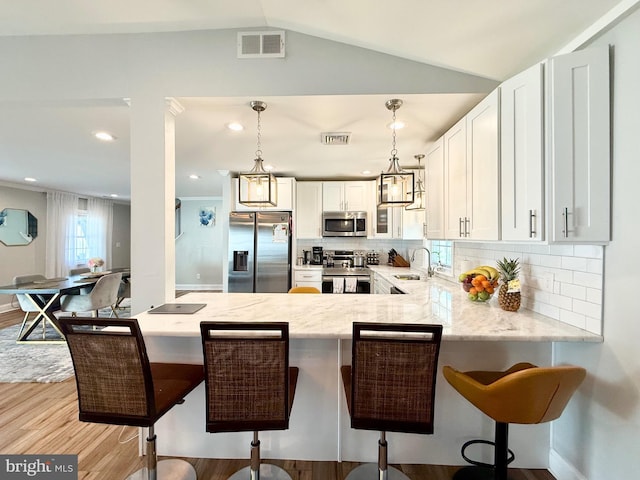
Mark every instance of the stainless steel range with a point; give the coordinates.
(341, 276)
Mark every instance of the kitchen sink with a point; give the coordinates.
(408, 276)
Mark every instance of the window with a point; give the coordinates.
(442, 253)
(79, 245)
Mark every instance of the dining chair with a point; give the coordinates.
(28, 305)
(104, 294)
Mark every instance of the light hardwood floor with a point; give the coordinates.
(42, 418)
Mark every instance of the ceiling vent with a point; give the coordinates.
(261, 44)
(336, 138)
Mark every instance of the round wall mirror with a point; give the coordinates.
(17, 227)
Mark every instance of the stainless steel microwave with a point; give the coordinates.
(344, 224)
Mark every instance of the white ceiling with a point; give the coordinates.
(492, 38)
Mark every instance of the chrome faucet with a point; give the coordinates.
(429, 268)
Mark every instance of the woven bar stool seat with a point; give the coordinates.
(523, 394)
(249, 384)
(390, 385)
(118, 385)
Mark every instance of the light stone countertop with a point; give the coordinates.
(431, 300)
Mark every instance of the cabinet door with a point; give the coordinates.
(579, 146)
(333, 196)
(455, 193)
(521, 156)
(356, 196)
(434, 183)
(309, 210)
(483, 191)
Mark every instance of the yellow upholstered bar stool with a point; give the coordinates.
(524, 394)
(304, 290)
(249, 384)
(118, 385)
(390, 385)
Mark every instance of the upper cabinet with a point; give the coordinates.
(346, 196)
(471, 169)
(285, 196)
(308, 210)
(579, 147)
(521, 156)
(434, 185)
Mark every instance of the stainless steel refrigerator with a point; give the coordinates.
(260, 252)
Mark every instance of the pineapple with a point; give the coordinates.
(509, 270)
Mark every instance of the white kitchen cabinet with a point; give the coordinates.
(455, 175)
(285, 196)
(380, 284)
(434, 185)
(305, 277)
(522, 156)
(579, 147)
(472, 201)
(346, 196)
(308, 213)
(412, 221)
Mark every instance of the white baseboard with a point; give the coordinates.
(561, 469)
(199, 286)
(7, 307)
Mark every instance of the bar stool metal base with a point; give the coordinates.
(171, 469)
(267, 472)
(370, 471)
(476, 473)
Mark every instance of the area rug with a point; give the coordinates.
(38, 362)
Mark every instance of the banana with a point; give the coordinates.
(478, 271)
(494, 273)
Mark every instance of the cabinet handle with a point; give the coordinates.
(460, 225)
(532, 223)
(467, 221)
(565, 214)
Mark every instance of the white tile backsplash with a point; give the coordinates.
(563, 282)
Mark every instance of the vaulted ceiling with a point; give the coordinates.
(493, 39)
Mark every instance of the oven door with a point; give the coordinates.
(362, 283)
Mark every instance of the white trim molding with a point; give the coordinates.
(561, 469)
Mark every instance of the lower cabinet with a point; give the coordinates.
(381, 285)
(308, 278)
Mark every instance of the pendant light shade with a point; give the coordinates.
(258, 187)
(419, 195)
(395, 186)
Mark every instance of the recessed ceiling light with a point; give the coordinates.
(235, 126)
(193, 176)
(104, 136)
(114, 195)
(29, 179)
(398, 125)
(268, 168)
(366, 172)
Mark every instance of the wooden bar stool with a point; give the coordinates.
(524, 394)
(390, 385)
(249, 384)
(118, 385)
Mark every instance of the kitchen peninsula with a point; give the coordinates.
(475, 336)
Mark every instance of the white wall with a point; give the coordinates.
(199, 250)
(599, 433)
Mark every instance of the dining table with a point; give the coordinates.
(44, 295)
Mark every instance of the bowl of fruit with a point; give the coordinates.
(480, 283)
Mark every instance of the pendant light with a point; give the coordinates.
(258, 188)
(419, 202)
(395, 187)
